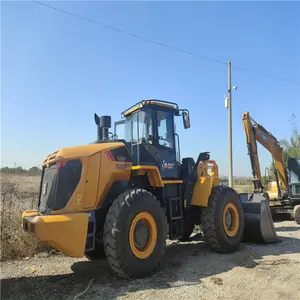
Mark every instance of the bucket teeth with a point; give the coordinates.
(259, 226)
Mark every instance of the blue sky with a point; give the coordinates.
(58, 70)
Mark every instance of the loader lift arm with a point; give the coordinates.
(256, 132)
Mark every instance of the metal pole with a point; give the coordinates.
(230, 171)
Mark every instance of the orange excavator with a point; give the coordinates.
(283, 194)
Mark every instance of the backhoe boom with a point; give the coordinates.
(256, 132)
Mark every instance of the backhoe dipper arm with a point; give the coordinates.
(256, 132)
(252, 151)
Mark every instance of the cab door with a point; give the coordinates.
(165, 143)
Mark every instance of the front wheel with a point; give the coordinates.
(135, 233)
(222, 221)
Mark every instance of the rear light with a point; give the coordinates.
(59, 165)
(109, 155)
(25, 225)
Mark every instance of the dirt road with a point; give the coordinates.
(189, 271)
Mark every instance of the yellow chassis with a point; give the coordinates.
(65, 233)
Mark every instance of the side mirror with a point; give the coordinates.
(97, 119)
(186, 119)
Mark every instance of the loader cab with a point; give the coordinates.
(149, 132)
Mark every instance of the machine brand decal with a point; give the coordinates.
(167, 165)
(120, 154)
(123, 165)
(121, 158)
(45, 189)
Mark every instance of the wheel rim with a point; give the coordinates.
(143, 235)
(231, 219)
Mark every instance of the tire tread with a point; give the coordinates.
(111, 234)
(209, 220)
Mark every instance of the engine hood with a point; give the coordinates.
(79, 151)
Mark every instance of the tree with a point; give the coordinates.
(291, 146)
(33, 171)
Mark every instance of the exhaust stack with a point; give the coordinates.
(103, 124)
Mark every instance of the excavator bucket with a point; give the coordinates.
(259, 226)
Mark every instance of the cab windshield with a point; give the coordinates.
(137, 128)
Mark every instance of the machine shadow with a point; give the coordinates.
(187, 262)
(288, 228)
(281, 217)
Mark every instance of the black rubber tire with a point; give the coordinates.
(212, 220)
(188, 228)
(96, 254)
(116, 234)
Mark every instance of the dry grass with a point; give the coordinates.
(243, 188)
(18, 193)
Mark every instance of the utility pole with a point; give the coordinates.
(230, 171)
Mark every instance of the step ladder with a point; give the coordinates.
(91, 233)
(176, 218)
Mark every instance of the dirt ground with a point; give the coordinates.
(189, 271)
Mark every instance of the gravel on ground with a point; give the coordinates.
(188, 271)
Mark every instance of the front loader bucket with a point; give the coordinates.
(259, 226)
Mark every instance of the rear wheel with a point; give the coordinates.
(135, 233)
(222, 221)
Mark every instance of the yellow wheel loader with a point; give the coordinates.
(122, 196)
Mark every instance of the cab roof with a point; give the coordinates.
(159, 103)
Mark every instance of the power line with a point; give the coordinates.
(130, 34)
(162, 44)
(265, 75)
